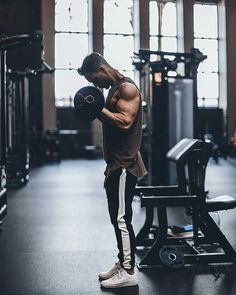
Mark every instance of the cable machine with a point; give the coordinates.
(168, 81)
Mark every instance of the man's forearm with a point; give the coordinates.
(117, 119)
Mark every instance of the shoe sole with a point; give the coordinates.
(115, 287)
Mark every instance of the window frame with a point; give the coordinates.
(62, 101)
(133, 35)
(202, 101)
(160, 36)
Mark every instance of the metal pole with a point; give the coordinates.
(3, 108)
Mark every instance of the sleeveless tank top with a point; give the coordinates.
(121, 147)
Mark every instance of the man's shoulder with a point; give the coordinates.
(128, 90)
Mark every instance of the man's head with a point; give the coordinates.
(96, 70)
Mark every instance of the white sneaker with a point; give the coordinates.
(120, 279)
(108, 274)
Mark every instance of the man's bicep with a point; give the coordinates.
(129, 107)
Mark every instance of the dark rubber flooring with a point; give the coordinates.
(57, 236)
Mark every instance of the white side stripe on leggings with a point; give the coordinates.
(121, 221)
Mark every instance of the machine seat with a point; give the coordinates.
(168, 201)
(219, 203)
(224, 202)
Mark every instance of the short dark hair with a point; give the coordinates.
(91, 63)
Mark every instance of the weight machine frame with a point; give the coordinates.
(156, 144)
(206, 233)
(6, 44)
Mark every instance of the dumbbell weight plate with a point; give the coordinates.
(88, 103)
(171, 257)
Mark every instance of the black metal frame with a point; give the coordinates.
(5, 45)
(3, 190)
(143, 237)
(158, 116)
(206, 233)
(17, 161)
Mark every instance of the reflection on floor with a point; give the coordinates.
(57, 236)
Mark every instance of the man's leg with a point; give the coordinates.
(120, 190)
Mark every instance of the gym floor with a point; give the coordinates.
(57, 236)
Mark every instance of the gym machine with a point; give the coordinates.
(17, 104)
(168, 81)
(207, 244)
(149, 231)
(5, 45)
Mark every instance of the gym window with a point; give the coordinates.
(121, 39)
(162, 26)
(71, 46)
(206, 39)
(119, 35)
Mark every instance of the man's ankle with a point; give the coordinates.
(129, 271)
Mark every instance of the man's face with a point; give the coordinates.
(99, 79)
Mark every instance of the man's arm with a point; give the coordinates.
(127, 107)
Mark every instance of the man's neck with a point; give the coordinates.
(116, 77)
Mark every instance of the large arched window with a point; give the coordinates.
(206, 39)
(71, 46)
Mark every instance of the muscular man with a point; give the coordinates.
(122, 128)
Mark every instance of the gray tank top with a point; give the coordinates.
(121, 148)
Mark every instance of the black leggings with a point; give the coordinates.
(120, 186)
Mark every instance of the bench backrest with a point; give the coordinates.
(190, 157)
(182, 149)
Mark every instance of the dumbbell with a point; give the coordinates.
(88, 103)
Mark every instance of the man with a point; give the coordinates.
(122, 128)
